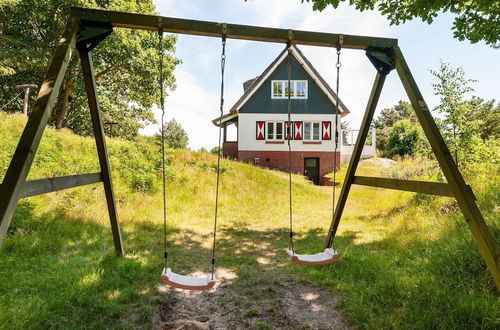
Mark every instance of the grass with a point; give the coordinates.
(407, 260)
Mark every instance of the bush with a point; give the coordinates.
(405, 139)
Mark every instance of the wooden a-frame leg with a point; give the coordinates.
(90, 85)
(356, 155)
(27, 147)
(463, 194)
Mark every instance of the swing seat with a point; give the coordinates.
(322, 258)
(187, 283)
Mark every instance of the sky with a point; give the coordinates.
(195, 101)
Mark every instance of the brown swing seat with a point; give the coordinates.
(187, 283)
(322, 258)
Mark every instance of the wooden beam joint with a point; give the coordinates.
(94, 28)
(382, 58)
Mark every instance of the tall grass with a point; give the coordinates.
(407, 260)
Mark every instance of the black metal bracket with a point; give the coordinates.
(94, 28)
(383, 59)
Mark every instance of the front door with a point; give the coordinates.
(311, 169)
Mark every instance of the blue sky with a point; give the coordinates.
(194, 103)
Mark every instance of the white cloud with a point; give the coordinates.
(193, 107)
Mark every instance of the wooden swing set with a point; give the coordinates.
(86, 28)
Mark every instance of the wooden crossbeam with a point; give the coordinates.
(234, 31)
(44, 186)
(430, 188)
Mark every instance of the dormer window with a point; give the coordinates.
(280, 89)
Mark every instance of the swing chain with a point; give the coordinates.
(162, 105)
(288, 132)
(338, 65)
(222, 65)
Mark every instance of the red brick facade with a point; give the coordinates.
(230, 150)
(279, 160)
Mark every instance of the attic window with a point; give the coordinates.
(280, 89)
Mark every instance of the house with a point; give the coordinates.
(260, 118)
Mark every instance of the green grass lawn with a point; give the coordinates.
(407, 260)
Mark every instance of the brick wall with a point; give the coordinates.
(279, 160)
(230, 150)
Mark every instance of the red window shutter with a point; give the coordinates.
(327, 130)
(288, 130)
(261, 130)
(297, 130)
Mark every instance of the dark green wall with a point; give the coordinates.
(316, 103)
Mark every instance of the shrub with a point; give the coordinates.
(405, 139)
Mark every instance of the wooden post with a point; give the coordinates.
(90, 85)
(356, 155)
(27, 147)
(464, 196)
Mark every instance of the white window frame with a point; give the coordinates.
(275, 122)
(311, 137)
(293, 84)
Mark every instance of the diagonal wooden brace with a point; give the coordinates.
(95, 114)
(356, 155)
(27, 147)
(463, 194)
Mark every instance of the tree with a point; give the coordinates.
(405, 139)
(215, 150)
(388, 117)
(125, 63)
(175, 136)
(458, 130)
(474, 20)
(486, 114)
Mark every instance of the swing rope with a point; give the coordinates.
(288, 134)
(338, 65)
(162, 105)
(222, 65)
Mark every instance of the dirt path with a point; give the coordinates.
(263, 305)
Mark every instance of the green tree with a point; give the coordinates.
(475, 21)
(459, 132)
(215, 150)
(175, 136)
(487, 116)
(388, 117)
(125, 63)
(405, 139)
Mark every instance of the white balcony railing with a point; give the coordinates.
(348, 140)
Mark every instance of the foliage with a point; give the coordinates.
(388, 117)
(414, 168)
(474, 20)
(175, 136)
(125, 63)
(215, 150)
(459, 131)
(487, 116)
(136, 167)
(405, 139)
(344, 125)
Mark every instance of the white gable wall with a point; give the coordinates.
(247, 139)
